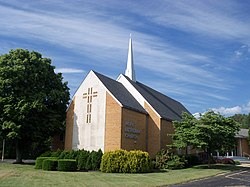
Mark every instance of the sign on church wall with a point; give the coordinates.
(131, 131)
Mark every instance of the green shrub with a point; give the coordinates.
(161, 159)
(50, 164)
(73, 154)
(67, 165)
(63, 154)
(112, 162)
(139, 162)
(96, 158)
(168, 160)
(192, 160)
(56, 153)
(237, 162)
(122, 161)
(176, 162)
(225, 161)
(89, 161)
(46, 154)
(82, 159)
(85, 159)
(39, 162)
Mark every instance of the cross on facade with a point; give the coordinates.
(89, 96)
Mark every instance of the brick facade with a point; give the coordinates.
(113, 129)
(134, 130)
(69, 126)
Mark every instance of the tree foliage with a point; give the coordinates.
(211, 132)
(242, 119)
(33, 98)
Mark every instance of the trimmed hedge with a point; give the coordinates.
(67, 165)
(85, 160)
(50, 164)
(122, 161)
(39, 162)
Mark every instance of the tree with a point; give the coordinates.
(211, 132)
(243, 119)
(33, 98)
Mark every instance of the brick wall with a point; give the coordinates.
(113, 124)
(244, 146)
(154, 123)
(133, 130)
(167, 130)
(69, 126)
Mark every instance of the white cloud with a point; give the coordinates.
(197, 115)
(200, 17)
(92, 31)
(242, 52)
(68, 70)
(228, 111)
(90, 35)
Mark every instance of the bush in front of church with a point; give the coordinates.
(122, 161)
(85, 160)
(166, 159)
(39, 162)
(67, 165)
(82, 160)
(94, 160)
(50, 164)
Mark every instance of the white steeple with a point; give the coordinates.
(130, 72)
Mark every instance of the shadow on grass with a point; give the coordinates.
(24, 163)
(159, 171)
(223, 167)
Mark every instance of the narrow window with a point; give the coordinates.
(90, 108)
(89, 118)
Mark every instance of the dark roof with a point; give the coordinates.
(165, 106)
(121, 93)
(243, 133)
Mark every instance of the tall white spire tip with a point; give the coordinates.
(130, 72)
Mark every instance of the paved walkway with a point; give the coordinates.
(13, 160)
(239, 178)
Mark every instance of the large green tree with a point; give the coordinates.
(211, 132)
(33, 99)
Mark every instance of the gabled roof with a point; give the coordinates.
(165, 106)
(121, 93)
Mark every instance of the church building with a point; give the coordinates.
(116, 114)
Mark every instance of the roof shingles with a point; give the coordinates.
(165, 106)
(121, 93)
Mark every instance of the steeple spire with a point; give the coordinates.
(130, 72)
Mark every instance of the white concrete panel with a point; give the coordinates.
(90, 136)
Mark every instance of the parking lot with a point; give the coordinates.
(239, 178)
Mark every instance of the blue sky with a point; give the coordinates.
(197, 52)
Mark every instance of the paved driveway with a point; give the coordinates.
(13, 160)
(239, 178)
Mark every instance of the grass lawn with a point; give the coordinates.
(26, 175)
